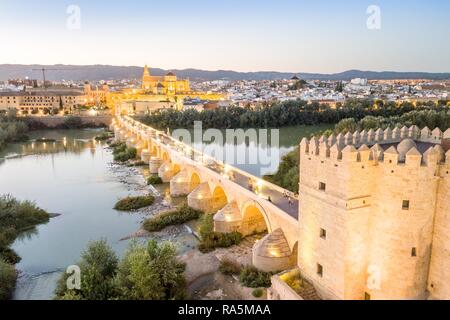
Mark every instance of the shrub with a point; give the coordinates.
(134, 203)
(8, 276)
(122, 153)
(210, 240)
(72, 122)
(253, 278)
(229, 268)
(179, 216)
(103, 136)
(154, 180)
(258, 293)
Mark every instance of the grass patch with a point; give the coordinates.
(258, 293)
(104, 136)
(134, 203)
(181, 215)
(253, 278)
(211, 240)
(154, 179)
(122, 153)
(229, 268)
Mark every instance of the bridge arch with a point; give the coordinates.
(165, 156)
(254, 218)
(219, 198)
(195, 180)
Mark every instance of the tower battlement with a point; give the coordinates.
(405, 146)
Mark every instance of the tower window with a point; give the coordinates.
(405, 205)
(413, 252)
(319, 270)
(323, 233)
(322, 186)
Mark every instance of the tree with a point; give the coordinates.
(151, 273)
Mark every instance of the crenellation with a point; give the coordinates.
(379, 135)
(363, 136)
(396, 134)
(404, 132)
(436, 135)
(314, 146)
(388, 135)
(377, 153)
(371, 136)
(332, 139)
(350, 154)
(348, 138)
(447, 134)
(413, 158)
(425, 134)
(340, 140)
(391, 155)
(364, 153)
(304, 146)
(356, 138)
(335, 153)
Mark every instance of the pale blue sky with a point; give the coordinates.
(243, 35)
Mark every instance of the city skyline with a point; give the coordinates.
(322, 37)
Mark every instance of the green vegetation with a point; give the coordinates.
(8, 276)
(134, 203)
(146, 272)
(289, 113)
(181, 215)
(104, 136)
(154, 179)
(211, 240)
(229, 268)
(15, 217)
(294, 280)
(12, 130)
(422, 118)
(122, 153)
(287, 175)
(253, 278)
(258, 293)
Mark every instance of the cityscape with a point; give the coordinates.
(187, 171)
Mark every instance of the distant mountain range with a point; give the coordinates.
(107, 72)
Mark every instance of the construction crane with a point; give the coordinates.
(44, 70)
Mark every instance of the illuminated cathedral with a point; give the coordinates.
(164, 85)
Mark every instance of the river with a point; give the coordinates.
(75, 177)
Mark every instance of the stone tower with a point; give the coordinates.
(370, 203)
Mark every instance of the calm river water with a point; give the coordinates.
(74, 177)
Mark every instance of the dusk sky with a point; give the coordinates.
(242, 35)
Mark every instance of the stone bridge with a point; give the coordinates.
(239, 201)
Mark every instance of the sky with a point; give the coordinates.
(323, 36)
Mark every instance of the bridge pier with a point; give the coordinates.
(145, 156)
(272, 253)
(201, 199)
(155, 164)
(167, 171)
(228, 219)
(181, 185)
